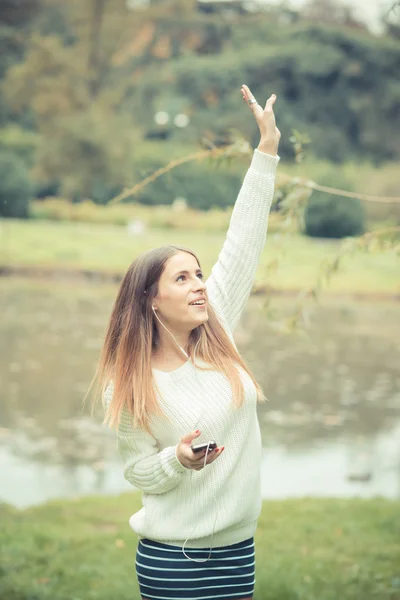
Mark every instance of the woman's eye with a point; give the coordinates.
(198, 275)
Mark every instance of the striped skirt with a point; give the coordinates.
(165, 573)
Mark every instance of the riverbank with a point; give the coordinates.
(104, 252)
(306, 549)
(90, 276)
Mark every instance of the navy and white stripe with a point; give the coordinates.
(165, 573)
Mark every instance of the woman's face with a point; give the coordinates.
(180, 284)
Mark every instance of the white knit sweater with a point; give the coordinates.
(176, 498)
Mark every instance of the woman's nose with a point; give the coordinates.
(201, 285)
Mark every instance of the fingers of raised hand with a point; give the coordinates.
(247, 95)
(270, 102)
(269, 109)
(255, 107)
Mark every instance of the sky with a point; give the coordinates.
(368, 11)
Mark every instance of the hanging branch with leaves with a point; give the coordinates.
(292, 195)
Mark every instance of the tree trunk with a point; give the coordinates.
(95, 46)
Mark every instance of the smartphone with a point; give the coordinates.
(204, 445)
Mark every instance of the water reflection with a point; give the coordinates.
(342, 467)
(331, 426)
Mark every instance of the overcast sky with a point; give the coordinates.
(367, 10)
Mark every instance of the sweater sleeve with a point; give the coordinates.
(232, 277)
(146, 467)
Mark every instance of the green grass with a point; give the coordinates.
(106, 247)
(306, 549)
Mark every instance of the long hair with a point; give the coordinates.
(132, 336)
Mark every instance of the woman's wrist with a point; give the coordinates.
(268, 148)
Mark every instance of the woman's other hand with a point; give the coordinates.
(270, 134)
(194, 460)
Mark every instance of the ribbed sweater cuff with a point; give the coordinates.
(170, 462)
(264, 163)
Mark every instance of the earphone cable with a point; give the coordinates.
(205, 456)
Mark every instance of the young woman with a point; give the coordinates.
(165, 400)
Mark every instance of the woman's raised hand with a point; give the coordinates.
(270, 134)
(194, 460)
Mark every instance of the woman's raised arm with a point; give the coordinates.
(232, 276)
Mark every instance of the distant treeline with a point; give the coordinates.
(95, 95)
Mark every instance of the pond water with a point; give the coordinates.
(331, 426)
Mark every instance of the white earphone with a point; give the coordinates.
(205, 456)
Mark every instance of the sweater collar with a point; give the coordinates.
(179, 373)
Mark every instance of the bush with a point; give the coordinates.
(203, 186)
(15, 187)
(88, 153)
(334, 216)
(19, 142)
(331, 216)
(154, 217)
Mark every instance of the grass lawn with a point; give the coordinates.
(108, 247)
(306, 549)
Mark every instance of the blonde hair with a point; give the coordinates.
(132, 335)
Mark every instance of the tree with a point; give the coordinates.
(18, 13)
(15, 187)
